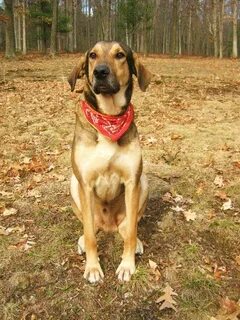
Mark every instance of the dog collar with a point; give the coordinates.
(112, 127)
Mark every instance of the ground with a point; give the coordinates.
(189, 124)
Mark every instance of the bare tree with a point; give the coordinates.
(24, 38)
(214, 25)
(235, 18)
(174, 27)
(53, 46)
(10, 37)
(220, 19)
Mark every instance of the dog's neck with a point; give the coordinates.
(114, 104)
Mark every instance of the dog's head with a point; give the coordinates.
(108, 67)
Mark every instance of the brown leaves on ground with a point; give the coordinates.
(180, 204)
(167, 300)
(230, 310)
(36, 164)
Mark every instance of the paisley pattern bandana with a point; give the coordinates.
(110, 126)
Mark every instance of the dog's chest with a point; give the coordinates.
(106, 166)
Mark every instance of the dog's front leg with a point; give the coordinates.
(128, 229)
(93, 272)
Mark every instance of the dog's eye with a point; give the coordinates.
(120, 55)
(93, 55)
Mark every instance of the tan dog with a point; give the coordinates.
(108, 188)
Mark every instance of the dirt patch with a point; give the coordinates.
(189, 127)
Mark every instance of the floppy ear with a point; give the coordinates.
(143, 75)
(78, 72)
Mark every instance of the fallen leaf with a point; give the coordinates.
(177, 209)
(37, 178)
(175, 136)
(218, 272)
(178, 198)
(221, 195)
(24, 244)
(167, 299)
(189, 215)
(152, 264)
(9, 212)
(3, 231)
(6, 194)
(151, 141)
(237, 259)
(237, 164)
(230, 310)
(50, 168)
(26, 160)
(34, 193)
(227, 205)
(228, 306)
(17, 229)
(218, 181)
(167, 197)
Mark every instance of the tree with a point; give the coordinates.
(10, 37)
(221, 15)
(235, 19)
(174, 27)
(24, 38)
(214, 25)
(53, 45)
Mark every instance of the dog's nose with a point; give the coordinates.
(101, 71)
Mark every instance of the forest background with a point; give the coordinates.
(175, 27)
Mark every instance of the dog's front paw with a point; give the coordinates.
(125, 270)
(93, 273)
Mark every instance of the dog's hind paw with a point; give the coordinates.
(93, 274)
(81, 245)
(125, 270)
(139, 247)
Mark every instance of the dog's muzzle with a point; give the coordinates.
(101, 71)
(104, 81)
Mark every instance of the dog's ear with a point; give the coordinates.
(143, 75)
(78, 71)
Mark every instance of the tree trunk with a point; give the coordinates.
(24, 40)
(235, 18)
(214, 3)
(70, 33)
(75, 25)
(53, 45)
(180, 29)
(189, 34)
(174, 27)
(10, 37)
(221, 15)
(17, 25)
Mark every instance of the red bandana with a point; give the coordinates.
(112, 127)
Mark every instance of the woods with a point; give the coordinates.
(175, 27)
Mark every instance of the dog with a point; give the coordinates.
(108, 188)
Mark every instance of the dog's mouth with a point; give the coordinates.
(104, 87)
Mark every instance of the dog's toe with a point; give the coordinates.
(81, 245)
(93, 274)
(125, 270)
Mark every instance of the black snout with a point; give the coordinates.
(101, 71)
